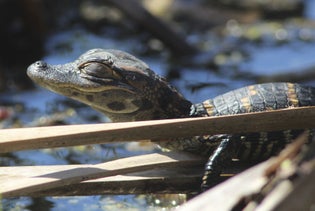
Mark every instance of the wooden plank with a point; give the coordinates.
(13, 183)
(63, 136)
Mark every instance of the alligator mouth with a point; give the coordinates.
(69, 89)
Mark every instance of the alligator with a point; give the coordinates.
(124, 88)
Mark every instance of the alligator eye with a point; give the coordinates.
(98, 70)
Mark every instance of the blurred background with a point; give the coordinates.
(203, 47)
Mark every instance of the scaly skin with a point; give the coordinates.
(125, 89)
(114, 83)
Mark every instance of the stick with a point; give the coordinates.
(167, 180)
(16, 184)
(63, 136)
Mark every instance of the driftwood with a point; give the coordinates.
(63, 136)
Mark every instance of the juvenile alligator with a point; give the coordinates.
(125, 89)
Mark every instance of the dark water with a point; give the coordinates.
(266, 49)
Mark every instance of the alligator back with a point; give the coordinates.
(255, 98)
(259, 97)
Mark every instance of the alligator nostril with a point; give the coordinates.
(41, 64)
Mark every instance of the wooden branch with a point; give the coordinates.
(21, 181)
(72, 135)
